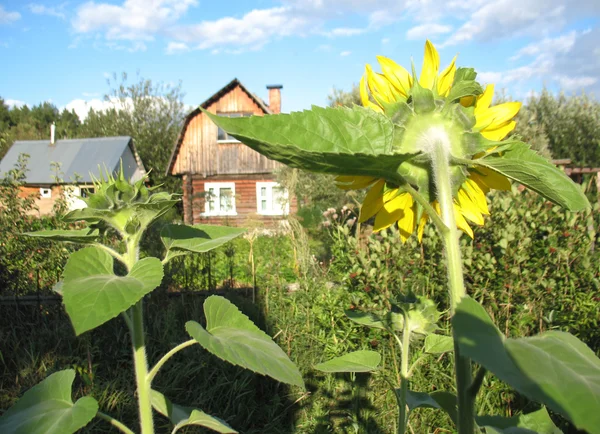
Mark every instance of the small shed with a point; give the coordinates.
(225, 181)
(66, 167)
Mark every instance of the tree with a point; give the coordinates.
(339, 97)
(150, 113)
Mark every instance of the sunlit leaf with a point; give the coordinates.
(554, 368)
(198, 238)
(93, 294)
(357, 361)
(356, 141)
(231, 336)
(185, 416)
(47, 408)
(525, 166)
(537, 422)
(73, 236)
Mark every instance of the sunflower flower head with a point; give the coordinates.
(444, 109)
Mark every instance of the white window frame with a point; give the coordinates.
(272, 209)
(216, 186)
(46, 193)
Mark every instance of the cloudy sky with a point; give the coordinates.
(63, 51)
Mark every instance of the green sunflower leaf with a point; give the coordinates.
(73, 236)
(554, 368)
(93, 294)
(438, 344)
(341, 140)
(198, 238)
(47, 408)
(519, 163)
(356, 361)
(416, 400)
(181, 416)
(233, 337)
(537, 422)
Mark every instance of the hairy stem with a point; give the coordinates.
(403, 414)
(456, 285)
(141, 370)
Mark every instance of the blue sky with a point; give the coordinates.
(63, 51)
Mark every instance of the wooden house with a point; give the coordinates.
(224, 181)
(64, 168)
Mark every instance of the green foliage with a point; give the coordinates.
(571, 124)
(546, 368)
(26, 264)
(232, 336)
(47, 408)
(518, 162)
(357, 361)
(535, 422)
(93, 294)
(95, 290)
(184, 416)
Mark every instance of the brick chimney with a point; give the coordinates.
(275, 98)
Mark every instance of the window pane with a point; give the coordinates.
(225, 199)
(263, 205)
(211, 199)
(221, 135)
(263, 192)
(278, 199)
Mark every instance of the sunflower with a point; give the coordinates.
(391, 203)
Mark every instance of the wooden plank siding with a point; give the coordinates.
(245, 201)
(201, 154)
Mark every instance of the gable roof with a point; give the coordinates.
(218, 95)
(78, 158)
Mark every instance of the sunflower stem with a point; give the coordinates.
(456, 285)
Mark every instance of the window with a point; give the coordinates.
(45, 193)
(86, 192)
(222, 136)
(219, 198)
(271, 199)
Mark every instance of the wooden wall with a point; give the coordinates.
(245, 201)
(201, 154)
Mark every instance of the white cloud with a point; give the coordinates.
(428, 30)
(39, 9)
(345, 53)
(82, 107)
(345, 31)
(497, 19)
(560, 44)
(177, 47)
(385, 41)
(7, 17)
(571, 61)
(11, 103)
(134, 20)
(324, 47)
(254, 29)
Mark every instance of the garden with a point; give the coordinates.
(344, 322)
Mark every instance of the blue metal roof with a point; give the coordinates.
(78, 158)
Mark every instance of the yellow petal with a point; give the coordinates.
(476, 196)
(490, 179)
(344, 182)
(446, 78)
(392, 211)
(373, 201)
(499, 133)
(379, 86)
(396, 74)
(406, 223)
(461, 223)
(364, 96)
(484, 100)
(497, 115)
(468, 209)
(422, 223)
(431, 65)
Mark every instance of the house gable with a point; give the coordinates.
(197, 150)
